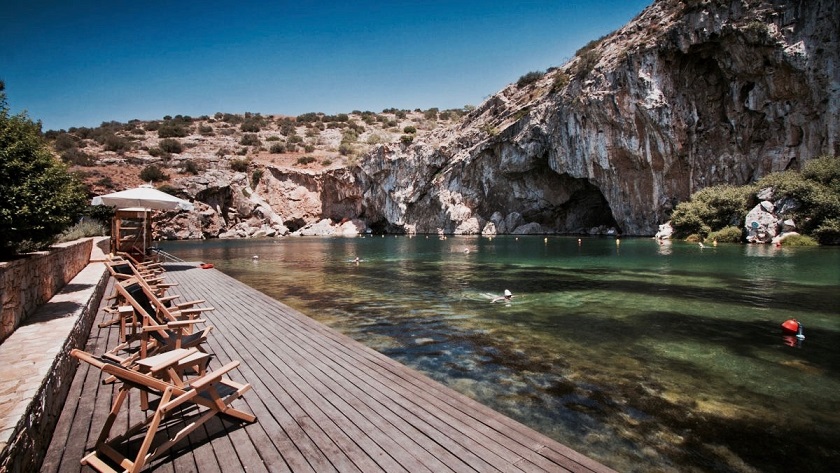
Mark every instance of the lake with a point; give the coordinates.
(644, 356)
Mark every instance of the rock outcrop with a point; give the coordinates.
(687, 95)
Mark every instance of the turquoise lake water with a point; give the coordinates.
(646, 357)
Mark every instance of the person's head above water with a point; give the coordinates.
(508, 294)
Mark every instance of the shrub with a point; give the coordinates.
(304, 160)
(64, 142)
(171, 190)
(172, 130)
(326, 162)
(407, 139)
(206, 130)
(828, 232)
(730, 234)
(77, 157)
(345, 149)
(308, 117)
(277, 148)
(410, 129)
(84, 228)
(529, 78)
(250, 126)
(170, 145)
(273, 138)
(256, 176)
(239, 165)
(153, 173)
(431, 114)
(190, 167)
(561, 80)
(586, 62)
(116, 144)
(40, 198)
(250, 139)
(711, 208)
(817, 189)
(309, 148)
(799, 240)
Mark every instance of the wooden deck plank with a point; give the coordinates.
(323, 403)
(411, 403)
(234, 310)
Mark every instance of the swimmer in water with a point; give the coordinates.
(507, 297)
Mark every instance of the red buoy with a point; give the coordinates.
(206, 265)
(790, 326)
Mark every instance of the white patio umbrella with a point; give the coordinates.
(144, 198)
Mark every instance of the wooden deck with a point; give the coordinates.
(323, 403)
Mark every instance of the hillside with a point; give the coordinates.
(111, 157)
(685, 96)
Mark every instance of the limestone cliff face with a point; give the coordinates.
(687, 95)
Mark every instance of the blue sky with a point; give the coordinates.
(82, 62)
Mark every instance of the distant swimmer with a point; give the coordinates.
(701, 244)
(507, 297)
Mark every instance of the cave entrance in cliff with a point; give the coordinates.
(586, 209)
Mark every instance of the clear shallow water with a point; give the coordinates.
(646, 357)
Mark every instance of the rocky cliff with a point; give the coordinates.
(688, 94)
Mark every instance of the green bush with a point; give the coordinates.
(345, 149)
(326, 162)
(799, 240)
(727, 235)
(828, 231)
(153, 173)
(561, 80)
(77, 157)
(431, 114)
(83, 229)
(817, 189)
(277, 148)
(250, 126)
(206, 130)
(712, 208)
(410, 129)
(117, 144)
(191, 167)
(304, 160)
(170, 145)
(64, 142)
(239, 165)
(256, 176)
(529, 78)
(250, 139)
(172, 130)
(407, 139)
(40, 198)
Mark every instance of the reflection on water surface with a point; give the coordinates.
(643, 356)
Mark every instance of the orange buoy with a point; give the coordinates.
(206, 265)
(790, 326)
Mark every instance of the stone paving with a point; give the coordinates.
(30, 357)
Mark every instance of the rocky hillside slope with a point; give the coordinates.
(687, 95)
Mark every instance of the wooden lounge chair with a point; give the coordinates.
(212, 394)
(156, 334)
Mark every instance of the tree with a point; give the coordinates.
(40, 197)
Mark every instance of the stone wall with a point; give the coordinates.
(29, 282)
